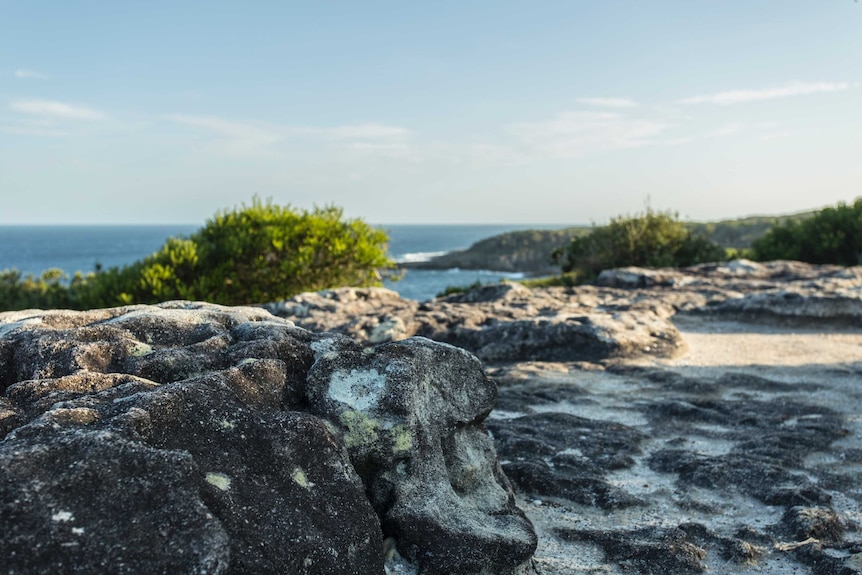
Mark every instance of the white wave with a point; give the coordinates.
(507, 275)
(418, 257)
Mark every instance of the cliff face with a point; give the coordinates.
(527, 251)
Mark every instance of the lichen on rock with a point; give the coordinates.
(193, 438)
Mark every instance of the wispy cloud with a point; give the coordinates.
(254, 137)
(358, 132)
(56, 110)
(29, 74)
(241, 130)
(25, 130)
(731, 97)
(728, 130)
(608, 102)
(574, 134)
(243, 138)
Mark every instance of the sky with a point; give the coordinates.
(554, 112)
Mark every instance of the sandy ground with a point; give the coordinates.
(726, 343)
(830, 358)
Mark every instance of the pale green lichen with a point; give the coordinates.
(300, 478)
(358, 388)
(246, 361)
(402, 439)
(361, 429)
(218, 480)
(226, 425)
(140, 349)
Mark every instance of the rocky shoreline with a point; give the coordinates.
(660, 422)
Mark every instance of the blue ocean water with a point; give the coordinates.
(33, 249)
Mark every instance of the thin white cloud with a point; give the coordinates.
(34, 131)
(731, 97)
(29, 74)
(574, 134)
(728, 130)
(360, 132)
(56, 110)
(255, 137)
(241, 130)
(236, 138)
(608, 102)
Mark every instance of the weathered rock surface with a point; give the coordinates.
(194, 438)
(672, 471)
(626, 314)
(505, 322)
(782, 290)
(627, 464)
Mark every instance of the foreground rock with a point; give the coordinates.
(193, 438)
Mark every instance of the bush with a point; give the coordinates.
(652, 239)
(254, 254)
(266, 252)
(831, 236)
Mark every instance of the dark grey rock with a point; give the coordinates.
(564, 456)
(194, 438)
(646, 551)
(683, 470)
(411, 414)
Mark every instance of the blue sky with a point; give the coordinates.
(428, 112)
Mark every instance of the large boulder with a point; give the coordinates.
(411, 414)
(194, 438)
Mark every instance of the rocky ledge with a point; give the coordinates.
(194, 438)
(631, 451)
(626, 314)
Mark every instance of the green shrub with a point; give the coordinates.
(266, 252)
(831, 236)
(652, 239)
(253, 254)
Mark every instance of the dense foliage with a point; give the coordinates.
(254, 254)
(831, 236)
(740, 233)
(652, 239)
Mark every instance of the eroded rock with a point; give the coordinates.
(626, 315)
(410, 413)
(194, 438)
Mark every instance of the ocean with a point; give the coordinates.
(33, 249)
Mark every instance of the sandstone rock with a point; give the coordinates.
(373, 315)
(625, 315)
(670, 471)
(498, 323)
(195, 438)
(410, 411)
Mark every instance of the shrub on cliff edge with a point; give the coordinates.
(652, 239)
(831, 236)
(253, 254)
